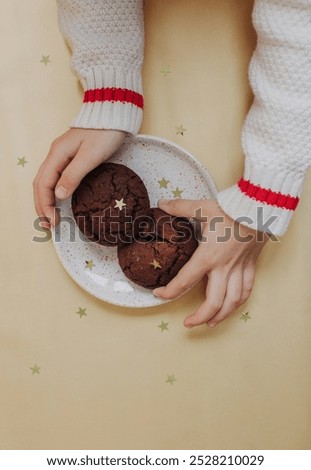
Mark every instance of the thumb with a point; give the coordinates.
(183, 207)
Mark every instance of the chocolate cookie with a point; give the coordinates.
(163, 245)
(106, 203)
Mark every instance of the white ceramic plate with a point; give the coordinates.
(94, 267)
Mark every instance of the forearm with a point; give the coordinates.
(276, 135)
(107, 42)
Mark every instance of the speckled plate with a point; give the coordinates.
(168, 171)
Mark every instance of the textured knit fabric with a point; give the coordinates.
(107, 42)
(276, 136)
(106, 37)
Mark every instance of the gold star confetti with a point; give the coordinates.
(81, 312)
(177, 192)
(180, 130)
(35, 369)
(163, 183)
(120, 204)
(171, 379)
(45, 59)
(165, 70)
(245, 317)
(163, 326)
(89, 264)
(22, 161)
(155, 264)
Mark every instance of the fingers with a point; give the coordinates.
(232, 298)
(186, 278)
(183, 207)
(223, 297)
(99, 146)
(215, 294)
(47, 177)
(230, 267)
(70, 158)
(75, 171)
(248, 282)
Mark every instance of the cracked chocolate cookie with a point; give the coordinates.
(106, 203)
(163, 245)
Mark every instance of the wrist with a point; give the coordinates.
(113, 99)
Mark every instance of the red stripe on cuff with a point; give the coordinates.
(284, 201)
(113, 95)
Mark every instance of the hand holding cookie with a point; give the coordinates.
(71, 157)
(227, 255)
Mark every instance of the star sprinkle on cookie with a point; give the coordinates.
(156, 264)
(120, 204)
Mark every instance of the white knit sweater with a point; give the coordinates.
(107, 40)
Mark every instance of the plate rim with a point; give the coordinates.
(211, 183)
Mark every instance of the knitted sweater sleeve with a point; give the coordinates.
(107, 42)
(276, 135)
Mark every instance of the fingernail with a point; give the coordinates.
(45, 222)
(188, 325)
(156, 293)
(61, 192)
(212, 324)
(45, 225)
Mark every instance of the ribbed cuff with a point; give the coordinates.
(262, 200)
(113, 99)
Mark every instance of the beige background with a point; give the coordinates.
(102, 378)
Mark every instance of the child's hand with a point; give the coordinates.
(228, 264)
(71, 157)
